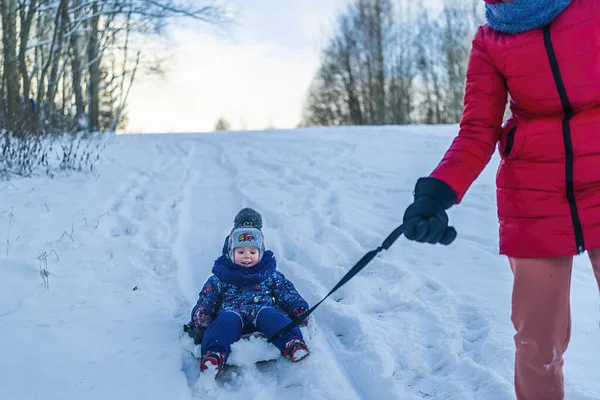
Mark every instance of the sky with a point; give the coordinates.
(254, 73)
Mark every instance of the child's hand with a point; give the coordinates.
(296, 312)
(201, 319)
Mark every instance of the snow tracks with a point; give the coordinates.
(223, 182)
(393, 332)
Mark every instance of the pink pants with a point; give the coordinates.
(541, 314)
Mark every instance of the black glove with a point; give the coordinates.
(425, 220)
(194, 332)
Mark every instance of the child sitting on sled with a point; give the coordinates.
(246, 293)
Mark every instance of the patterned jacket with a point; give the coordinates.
(246, 291)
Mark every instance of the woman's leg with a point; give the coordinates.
(542, 318)
(595, 259)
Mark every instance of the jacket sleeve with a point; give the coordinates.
(285, 294)
(481, 122)
(209, 298)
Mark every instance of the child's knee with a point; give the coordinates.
(267, 311)
(268, 314)
(230, 318)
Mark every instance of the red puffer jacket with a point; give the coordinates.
(548, 180)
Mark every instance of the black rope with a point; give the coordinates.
(349, 275)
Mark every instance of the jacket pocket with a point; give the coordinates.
(510, 141)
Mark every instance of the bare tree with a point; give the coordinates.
(68, 66)
(93, 61)
(430, 70)
(10, 76)
(26, 12)
(354, 68)
(457, 30)
(392, 62)
(75, 47)
(222, 125)
(402, 67)
(58, 57)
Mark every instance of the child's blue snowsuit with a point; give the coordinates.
(247, 299)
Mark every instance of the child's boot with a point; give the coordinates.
(295, 350)
(212, 361)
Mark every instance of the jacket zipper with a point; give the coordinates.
(566, 131)
(510, 140)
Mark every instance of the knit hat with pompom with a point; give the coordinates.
(246, 231)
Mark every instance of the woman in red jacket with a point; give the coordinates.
(546, 55)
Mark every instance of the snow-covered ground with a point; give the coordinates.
(128, 250)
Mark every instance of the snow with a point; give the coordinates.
(128, 249)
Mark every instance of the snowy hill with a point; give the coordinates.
(128, 250)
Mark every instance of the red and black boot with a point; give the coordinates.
(212, 361)
(296, 350)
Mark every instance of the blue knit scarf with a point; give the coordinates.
(229, 272)
(523, 15)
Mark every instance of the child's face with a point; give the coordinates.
(246, 256)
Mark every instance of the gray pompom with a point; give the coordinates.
(247, 216)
